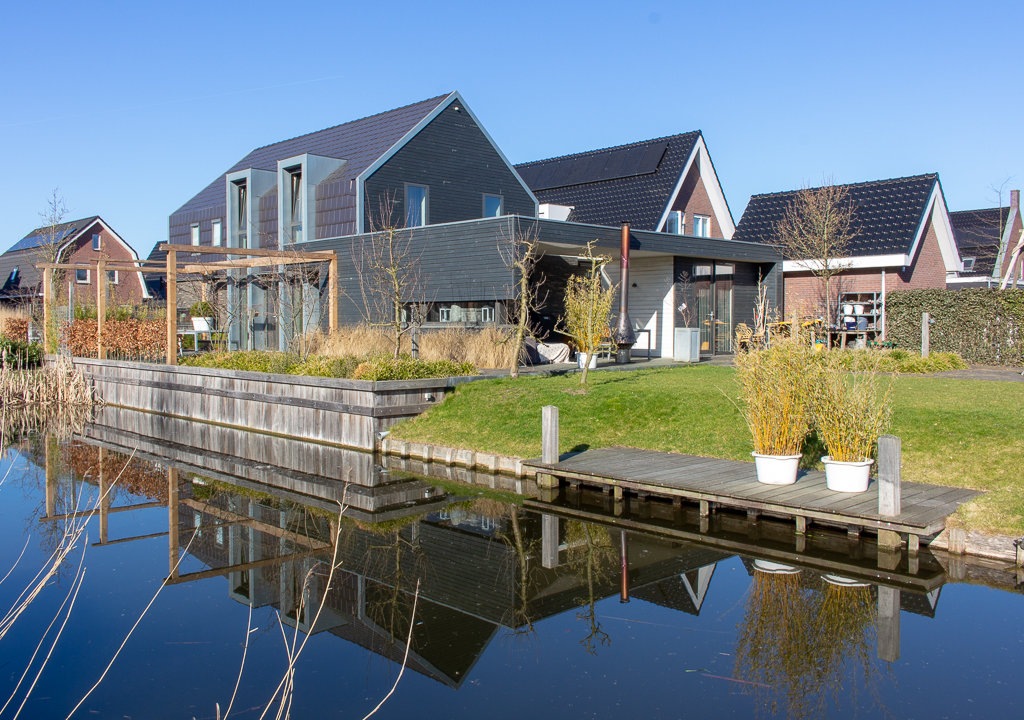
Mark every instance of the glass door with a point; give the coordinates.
(701, 279)
(723, 284)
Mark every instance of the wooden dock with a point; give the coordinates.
(714, 483)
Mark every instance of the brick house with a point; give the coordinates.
(83, 241)
(904, 240)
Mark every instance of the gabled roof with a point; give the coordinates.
(56, 234)
(634, 182)
(360, 142)
(978, 234)
(889, 219)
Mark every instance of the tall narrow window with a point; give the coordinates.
(96, 240)
(295, 202)
(195, 233)
(674, 222)
(215, 232)
(415, 205)
(112, 277)
(701, 226)
(493, 205)
(242, 217)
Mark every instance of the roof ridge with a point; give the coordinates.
(883, 181)
(63, 224)
(434, 101)
(607, 149)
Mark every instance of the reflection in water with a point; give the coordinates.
(430, 581)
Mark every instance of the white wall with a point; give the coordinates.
(651, 302)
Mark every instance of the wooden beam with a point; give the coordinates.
(309, 255)
(332, 294)
(172, 307)
(101, 307)
(47, 309)
(243, 263)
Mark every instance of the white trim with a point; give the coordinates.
(88, 276)
(943, 231)
(706, 169)
(852, 263)
(405, 139)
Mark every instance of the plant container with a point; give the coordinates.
(581, 360)
(202, 324)
(774, 568)
(846, 476)
(776, 469)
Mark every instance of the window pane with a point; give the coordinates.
(96, 241)
(82, 276)
(216, 232)
(701, 226)
(492, 205)
(415, 205)
(195, 234)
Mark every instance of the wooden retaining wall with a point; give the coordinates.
(347, 413)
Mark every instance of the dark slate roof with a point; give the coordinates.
(978, 234)
(360, 142)
(887, 214)
(606, 187)
(41, 235)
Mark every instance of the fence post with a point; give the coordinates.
(925, 340)
(889, 504)
(549, 444)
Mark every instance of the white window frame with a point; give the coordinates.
(701, 226)
(194, 230)
(217, 232)
(14, 274)
(486, 313)
(969, 264)
(492, 196)
(78, 276)
(424, 205)
(97, 241)
(444, 313)
(675, 218)
(112, 277)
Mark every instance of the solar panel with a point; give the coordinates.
(595, 167)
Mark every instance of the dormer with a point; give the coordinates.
(244, 190)
(297, 181)
(554, 211)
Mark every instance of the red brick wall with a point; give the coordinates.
(1014, 239)
(128, 290)
(693, 198)
(804, 295)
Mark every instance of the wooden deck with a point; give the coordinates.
(733, 484)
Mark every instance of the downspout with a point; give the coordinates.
(625, 338)
(881, 319)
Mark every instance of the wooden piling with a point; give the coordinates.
(549, 444)
(890, 455)
(888, 624)
(925, 332)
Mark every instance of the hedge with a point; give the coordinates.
(982, 325)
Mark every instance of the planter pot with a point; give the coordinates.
(776, 469)
(202, 324)
(774, 568)
(846, 476)
(687, 345)
(841, 581)
(581, 360)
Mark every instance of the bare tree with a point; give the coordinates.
(588, 307)
(52, 220)
(388, 271)
(817, 230)
(520, 251)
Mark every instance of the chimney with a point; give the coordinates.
(1015, 199)
(625, 338)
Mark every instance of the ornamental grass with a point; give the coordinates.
(776, 389)
(851, 409)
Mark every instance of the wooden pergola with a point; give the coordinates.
(235, 259)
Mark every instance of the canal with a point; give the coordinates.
(206, 569)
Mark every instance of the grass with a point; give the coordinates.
(963, 433)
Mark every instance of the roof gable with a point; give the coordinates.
(633, 182)
(978, 234)
(360, 142)
(888, 214)
(47, 234)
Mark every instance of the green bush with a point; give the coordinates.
(250, 361)
(982, 325)
(19, 353)
(202, 308)
(322, 366)
(406, 368)
(899, 361)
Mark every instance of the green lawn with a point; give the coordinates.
(965, 433)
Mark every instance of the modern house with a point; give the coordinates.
(83, 241)
(986, 240)
(431, 172)
(903, 240)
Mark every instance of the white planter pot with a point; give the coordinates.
(846, 476)
(774, 568)
(581, 360)
(687, 345)
(776, 469)
(841, 581)
(202, 324)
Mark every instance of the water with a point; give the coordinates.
(519, 609)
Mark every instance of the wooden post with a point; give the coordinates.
(101, 307)
(172, 307)
(549, 540)
(51, 475)
(888, 624)
(332, 294)
(925, 339)
(889, 503)
(549, 443)
(47, 309)
(172, 521)
(104, 490)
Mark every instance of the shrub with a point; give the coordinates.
(202, 308)
(851, 409)
(322, 366)
(135, 339)
(16, 328)
(898, 361)
(250, 361)
(20, 353)
(405, 368)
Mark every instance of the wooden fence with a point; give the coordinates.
(346, 413)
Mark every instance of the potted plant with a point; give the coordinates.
(687, 336)
(203, 316)
(588, 307)
(776, 386)
(851, 410)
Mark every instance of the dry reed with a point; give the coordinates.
(851, 410)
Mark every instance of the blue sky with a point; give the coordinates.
(130, 109)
